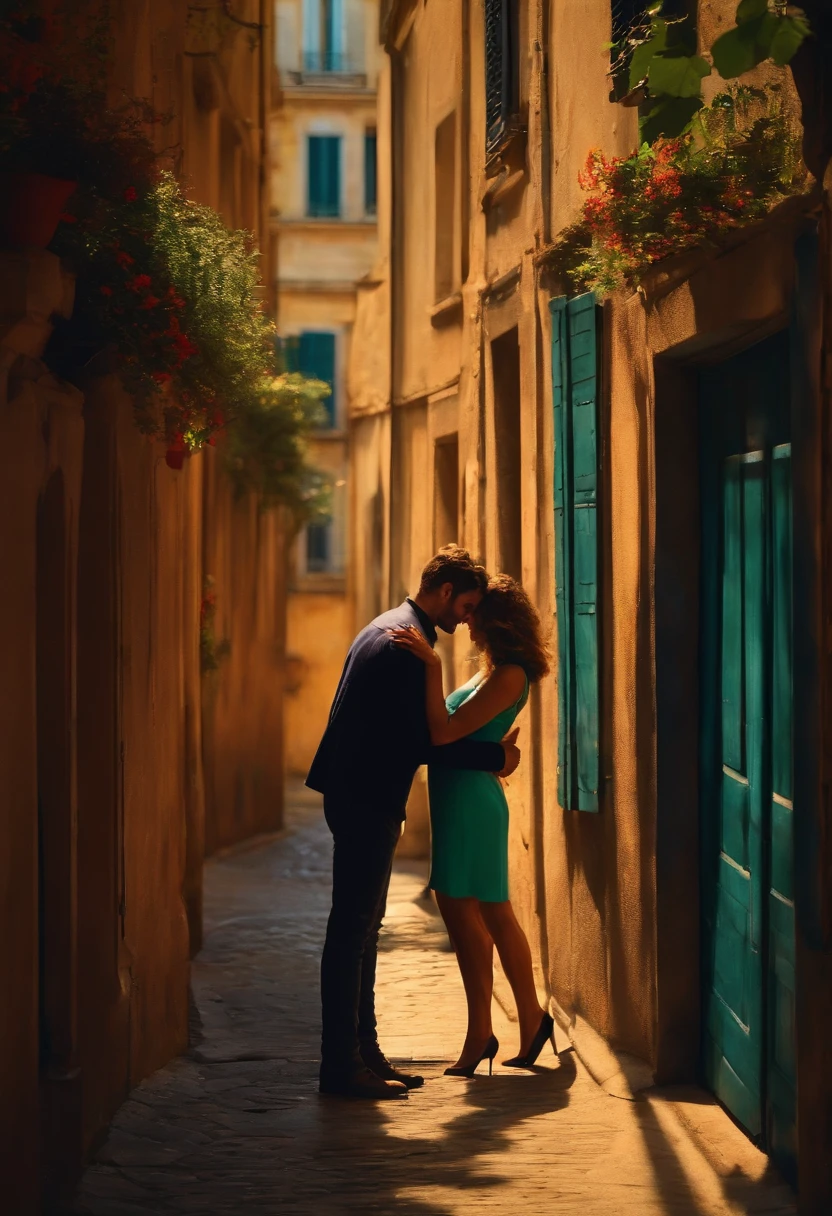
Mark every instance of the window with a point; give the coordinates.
(631, 25)
(318, 548)
(316, 359)
(445, 210)
(446, 491)
(323, 544)
(324, 176)
(502, 91)
(370, 172)
(505, 365)
(323, 36)
(575, 385)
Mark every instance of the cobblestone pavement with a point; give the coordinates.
(237, 1126)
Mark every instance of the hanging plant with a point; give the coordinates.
(739, 158)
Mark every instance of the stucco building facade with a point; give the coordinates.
(120, 763)
(470, 368)
(323, 139)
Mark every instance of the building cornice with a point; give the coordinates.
(303, 93)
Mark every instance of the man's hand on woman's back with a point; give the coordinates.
(512, 752)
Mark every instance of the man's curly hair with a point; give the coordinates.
(511, 628)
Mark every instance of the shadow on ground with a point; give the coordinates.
(237, 1125)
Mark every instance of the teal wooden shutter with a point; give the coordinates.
(316, 359)
(575, 392)
(324, 176)
(583, 378)
(563, 600)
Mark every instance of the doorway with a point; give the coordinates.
(746, 767)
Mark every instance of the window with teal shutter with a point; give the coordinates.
(369, 172)
(575, 391)
(316, 359)
(324, 176)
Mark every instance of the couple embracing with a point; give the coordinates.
(388, 717)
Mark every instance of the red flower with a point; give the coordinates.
(105, 290)
(130, 195)
(124, 259)
(185, 346)
(139, 283)
(66, 218)
(162, 377)
(150, 302)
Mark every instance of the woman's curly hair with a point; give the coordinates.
(511, 628)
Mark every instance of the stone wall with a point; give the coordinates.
(112, 742)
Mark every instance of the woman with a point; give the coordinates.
(469, 818)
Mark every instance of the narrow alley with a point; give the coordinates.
(237, 1125)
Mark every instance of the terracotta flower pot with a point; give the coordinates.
(30, 208)
(175, 457)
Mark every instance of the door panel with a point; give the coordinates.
(746, 731)
(782, 1084)
(734, 1007)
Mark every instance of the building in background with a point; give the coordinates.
(323, 141)
(600, 455)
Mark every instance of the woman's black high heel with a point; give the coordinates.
(546, 1030)
(467, 1070)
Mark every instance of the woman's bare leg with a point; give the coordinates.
(475, 956)
(516, 957)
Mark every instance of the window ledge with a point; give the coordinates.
(446, 310)
(501, 186)
(511, 148)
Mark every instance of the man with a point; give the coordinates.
(376, 738)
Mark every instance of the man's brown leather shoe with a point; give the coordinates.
(362, 1084)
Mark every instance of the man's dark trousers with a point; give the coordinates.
(365, 840)
(380, 700)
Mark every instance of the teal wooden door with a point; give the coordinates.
(746, 733)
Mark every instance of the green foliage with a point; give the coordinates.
(737, 160)
(165, 292)
(666, 73)
(265, 454)
(171, 293)
(763, 31)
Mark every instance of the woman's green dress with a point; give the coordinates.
(469, 816)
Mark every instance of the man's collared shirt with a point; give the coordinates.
(425, 621)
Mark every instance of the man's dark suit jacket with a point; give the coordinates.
(378, 734)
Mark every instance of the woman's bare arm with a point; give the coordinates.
(500, 690)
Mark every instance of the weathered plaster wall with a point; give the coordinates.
(244, 553)
(102, 718)
(42, 432)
